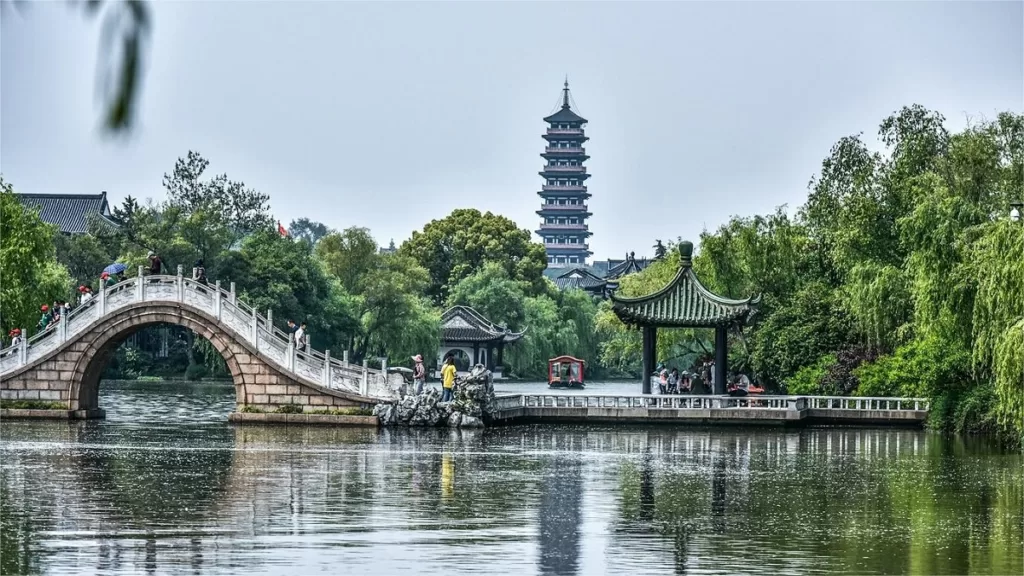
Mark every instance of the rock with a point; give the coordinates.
(455, 420)
(471, 422)
(470, 407)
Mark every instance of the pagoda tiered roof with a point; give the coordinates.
(683, 302)
(464, 324)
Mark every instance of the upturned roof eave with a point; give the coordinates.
(627, 309)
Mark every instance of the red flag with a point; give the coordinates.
(280, 229)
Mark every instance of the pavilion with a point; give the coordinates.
(684, 303)
(467, 334)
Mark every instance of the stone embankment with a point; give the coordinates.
(471, 408)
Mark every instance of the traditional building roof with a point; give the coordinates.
(579, 278)
(70, 212)
(565, 113)
(683, 302)
(627, 266)
(464, 324)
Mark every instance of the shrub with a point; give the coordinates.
(251, 409)
(839, 379)
(289, 409)
(975, 410)
(808, 379)
(32, 405)
(195, 372)
(352, 411)
(922, 367)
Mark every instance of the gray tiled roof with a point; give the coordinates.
(579, 277)
(69, 212)
(464, 324)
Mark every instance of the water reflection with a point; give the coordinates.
(156, 489)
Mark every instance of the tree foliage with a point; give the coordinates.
(308, 230)
(455, 246)
(29, 272)
(349, 255)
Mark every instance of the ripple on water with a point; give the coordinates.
(165, 485)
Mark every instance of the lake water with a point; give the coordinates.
(164, 485)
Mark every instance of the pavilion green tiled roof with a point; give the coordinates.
(683, 302)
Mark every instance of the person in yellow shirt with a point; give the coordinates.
(448, 379)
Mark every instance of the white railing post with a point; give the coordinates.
(364, 384)
(216, 300)
(102, 304)
(290, 351)
(23, 347)
(344, 357)
(140, 287)
(255, 331)
(231, 296)
(384, 366)
(327, 368)
(270, 321)
(62, 331)
(180, 280)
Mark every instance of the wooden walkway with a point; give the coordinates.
(707, 409)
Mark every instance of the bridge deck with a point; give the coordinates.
(706, 409)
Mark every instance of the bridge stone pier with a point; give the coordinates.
(65, 363)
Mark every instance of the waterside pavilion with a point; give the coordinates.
(684, 303)
(469, 337)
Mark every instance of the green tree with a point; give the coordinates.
(395, 319)
(492, 293)
(84, 256)
(29, 272)
(349, 255)
(281, 274)
(308, 230)
(454, 247)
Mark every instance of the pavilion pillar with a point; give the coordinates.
(721, 357)
(501, 353)
(476, 355)
(650, 347)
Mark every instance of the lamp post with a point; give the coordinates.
(1016, 208)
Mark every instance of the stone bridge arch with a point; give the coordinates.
(71, 372)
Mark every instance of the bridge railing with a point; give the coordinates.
(706, 402)
(238, 317)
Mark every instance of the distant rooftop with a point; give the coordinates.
(69, 212)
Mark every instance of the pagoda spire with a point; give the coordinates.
(565, 93)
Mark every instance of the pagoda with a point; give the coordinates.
(563, 212)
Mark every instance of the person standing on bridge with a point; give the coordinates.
(154, 263)
(302, 338)
(448, 379)
(199, 272)
(419, 374)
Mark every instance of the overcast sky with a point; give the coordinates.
(388, 115)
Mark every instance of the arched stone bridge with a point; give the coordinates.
(65, 362)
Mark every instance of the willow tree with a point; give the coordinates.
(998, 316)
